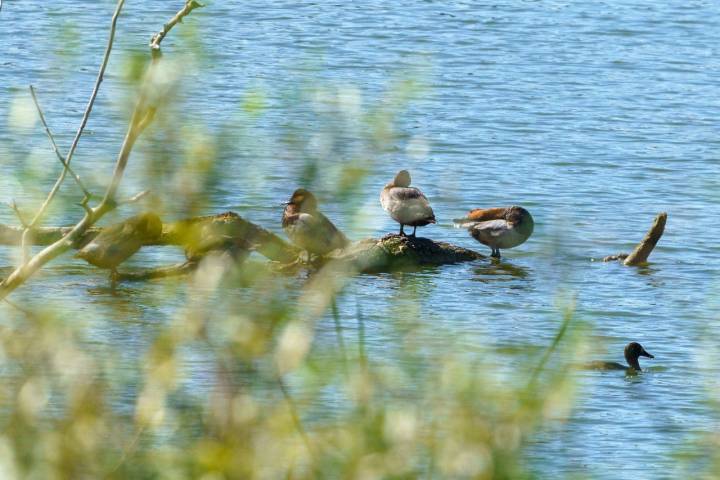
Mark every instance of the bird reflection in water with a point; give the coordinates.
(499, 271)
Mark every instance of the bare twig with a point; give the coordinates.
(19, 308)
(26, 228)
(135, 198)
(157, 39)
(92, 215)
(59, 155)
(143, 113)
(86, 115)
(13, 206)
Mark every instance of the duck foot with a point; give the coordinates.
(114, 278)
(495, 253)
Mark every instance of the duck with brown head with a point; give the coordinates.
(406, 205)
(633, 351)
(308, 228)
(498, 227)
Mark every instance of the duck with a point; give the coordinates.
(500, 227)
(406, 205)
(308, 228)
(116, 243)
(633, 351)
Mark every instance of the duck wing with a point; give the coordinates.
(407, 205)
(492, 229)
(111, 247)
(600, 365)
(478, 215)
(314, 233)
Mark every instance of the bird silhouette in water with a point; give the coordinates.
(633, 351)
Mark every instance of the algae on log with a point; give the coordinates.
(42, 236)
(390, 253)
(197, 234)
(397, 252)
(226, 231)
(229, 233)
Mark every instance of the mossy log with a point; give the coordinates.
(398, 252)
(390, 253)
(229, 233)
(198, 235)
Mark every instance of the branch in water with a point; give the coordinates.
(645, 247)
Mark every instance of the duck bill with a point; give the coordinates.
(644, 353)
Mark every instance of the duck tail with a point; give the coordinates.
(464, 222)
(480, 215)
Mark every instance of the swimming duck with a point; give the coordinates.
(406, 205)
(308, 228)
(117, 243)
(498, 227)
(633, 351)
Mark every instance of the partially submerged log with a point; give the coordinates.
(118, 242)
(228, 233)
(196, 234)
(398, 252)
(391, 253)
(645, 247)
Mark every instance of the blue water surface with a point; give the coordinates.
(593, 115)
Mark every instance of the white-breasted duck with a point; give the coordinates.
(503, 227)
(406, 205)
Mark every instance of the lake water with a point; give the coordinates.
(595, 116)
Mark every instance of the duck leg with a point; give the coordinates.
(413, 234)
(495, 253)
(114, 276)
(402, 232)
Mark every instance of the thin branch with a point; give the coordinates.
(19, 308)
(87, 194)
(135, 198)
(92, 215)
(13, 206)
(26, 228)
(144, 114)
(157, 39)
(86, 115)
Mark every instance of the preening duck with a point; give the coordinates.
(308, 228)
(117, 243)
(406, 205)
(498, 227)
(633, 351)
